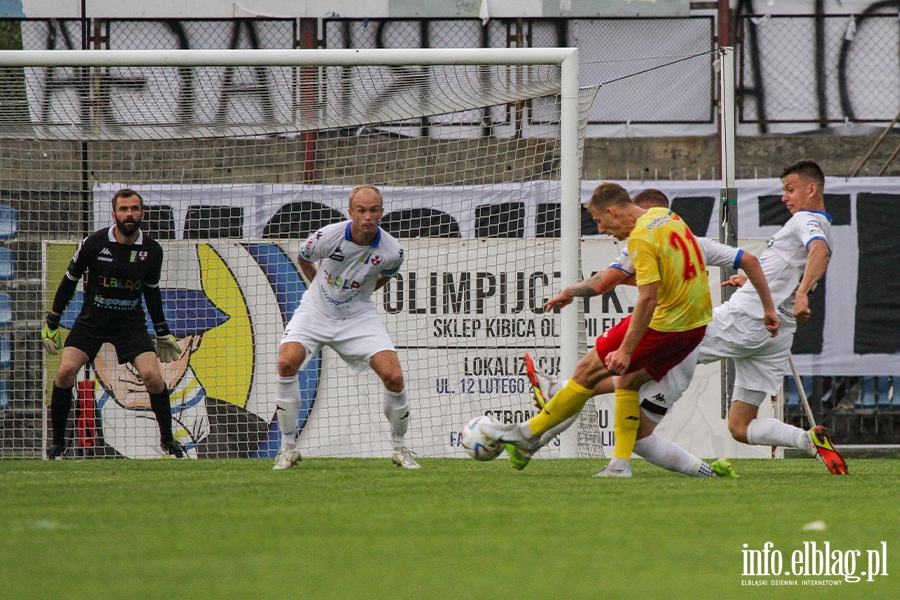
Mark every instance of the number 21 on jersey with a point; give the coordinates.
(692, 264)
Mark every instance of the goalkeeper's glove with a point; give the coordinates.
(167, 349)
(50, 333)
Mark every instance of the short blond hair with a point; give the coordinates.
(608, 194)
(361, 188)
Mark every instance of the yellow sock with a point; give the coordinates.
(567, 402)
(626, 421)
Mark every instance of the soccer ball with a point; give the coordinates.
(478, 445)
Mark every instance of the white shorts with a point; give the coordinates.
(759, 360)
(356, 339)
(657, 397)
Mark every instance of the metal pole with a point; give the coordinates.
(874, 147)
(800, 390)
(728, 194)
(308, 91)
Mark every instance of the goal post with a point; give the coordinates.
(241, 154)
(570, 256)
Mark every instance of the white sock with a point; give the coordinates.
(525, 431)
(552, 433)
(804, 442)
(395, 406)
(618, 464)
(555, 387)
(668, 455)
(772, 432)
(287, 399)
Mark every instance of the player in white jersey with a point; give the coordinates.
(344, 263)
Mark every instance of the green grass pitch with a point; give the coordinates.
(360, 529)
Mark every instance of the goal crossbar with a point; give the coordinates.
(286, 58)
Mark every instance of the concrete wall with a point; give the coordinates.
(756, 157)
(31, 167)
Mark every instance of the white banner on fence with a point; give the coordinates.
(261, 202)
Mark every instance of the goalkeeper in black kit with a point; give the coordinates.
(122, 264)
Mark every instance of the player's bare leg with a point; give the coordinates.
(395, 405)
(551, 387)
(71, 362)
(740, 416)
(287, 400)
(605, 386)
(570, 399)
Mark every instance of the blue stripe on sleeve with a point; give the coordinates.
(620, 268)
(818, 237)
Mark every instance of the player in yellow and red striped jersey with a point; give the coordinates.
(668, 322)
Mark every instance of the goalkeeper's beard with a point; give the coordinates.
(128, 227)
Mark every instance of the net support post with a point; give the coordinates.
(570, 231)
(727, 235)
(728, 225)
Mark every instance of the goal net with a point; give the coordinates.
(239, 157)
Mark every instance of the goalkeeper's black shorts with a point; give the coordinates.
(130, 342)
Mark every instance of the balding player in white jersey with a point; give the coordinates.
(344, 263)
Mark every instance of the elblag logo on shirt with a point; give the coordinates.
(340, 282)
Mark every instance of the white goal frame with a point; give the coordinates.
(566, 58)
